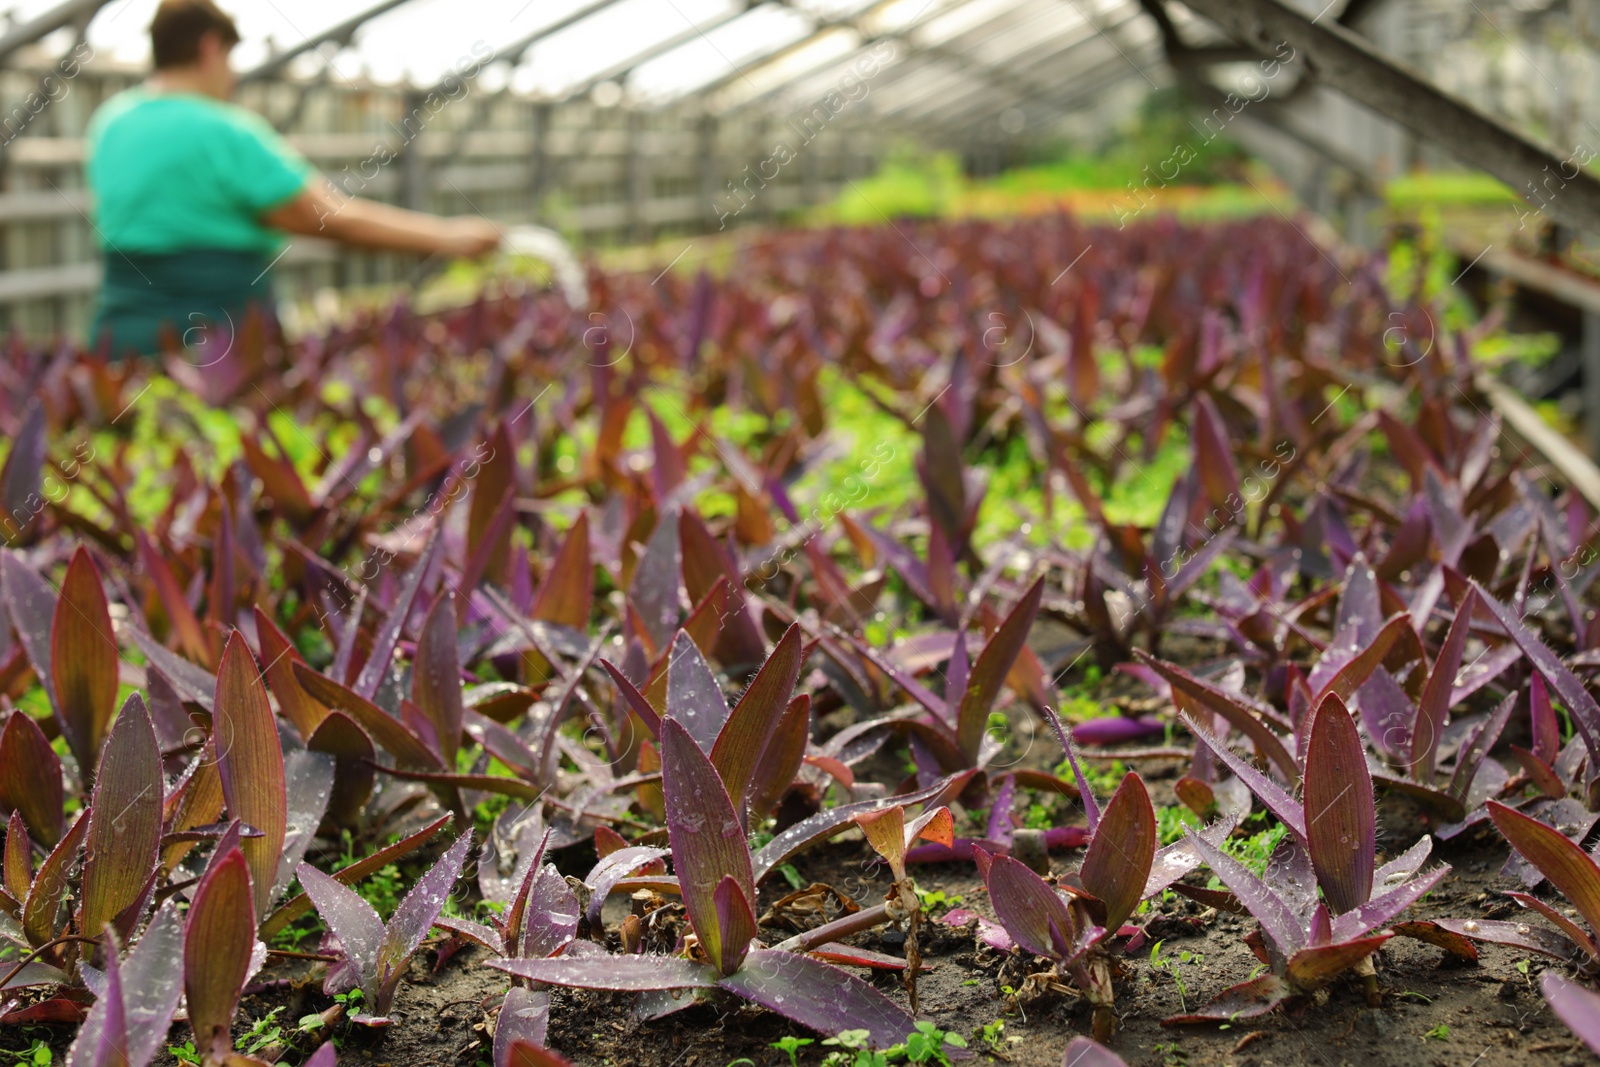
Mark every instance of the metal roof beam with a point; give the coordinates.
(1342, 59)
(819, 30)
(1052, 53)
(71, 13)
(340, 34)
(924, 58)
(627, 66)
(839, 62)
(1090, 80)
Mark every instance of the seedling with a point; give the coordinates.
(1330, 846)
(790, 1046)
(717, 882)
(375, 955)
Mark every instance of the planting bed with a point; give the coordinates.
(1146, 629)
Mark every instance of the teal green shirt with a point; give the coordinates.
(173, 172)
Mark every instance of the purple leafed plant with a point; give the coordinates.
(712, 862)
(1580, 704)
(1073, 921)
(1574, 874)
(540, 919)
(1325, 899)
(375, 955)
(1408, 735)
(1578, 1007)
(136, 999)
(952, 737)
(220, 950)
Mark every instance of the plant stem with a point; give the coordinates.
(844, 926)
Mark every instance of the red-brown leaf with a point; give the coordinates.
(250, 760)
(436, 677)
(279, 655)
(753, 723)
(124, 819)
(1341, 822)
(1117, 864)
(1569, 868)
(567, 595)
(218, 938)
(989, 672)
(30, 777)
(83, 660)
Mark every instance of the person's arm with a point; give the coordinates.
(356, 221)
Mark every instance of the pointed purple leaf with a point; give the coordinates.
(250, 761)
(1280, 803)
(1383, 909)
(693, 696)
(1388, 714)
(102, 1040)
(524, 1016)
(1091, 809)
(735, 920)
(1239, 713)
(751, 726)
(1278, 923)
(1179, 858)
(1578, 1007)
(611, 870)
(1027, 906)
(819, 996)
(1402, 867)
(626, 974)
(1359, 602)
(1341, 820)
(484, 936)
(436, 677)
(1117, 864)
(1433, 710)
(552, 916)
(1573, 872)
(1470, 762)
(990, 670)
(30, 777)
(1524, 936)
(352, 920)
(1585, 712)
(634, 699)
(414, 917)
(380, 659)
(656, 591)
(1542, 716)
(308, 783)
(219, 941)
(124, 819)
(706, 835)
(152, 982)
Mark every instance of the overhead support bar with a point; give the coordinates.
(71, 13)
(340, 35)
(514, 52)
(627, 66)
(921, 54)
(1341, 59)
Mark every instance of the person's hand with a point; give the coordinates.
(469, 237)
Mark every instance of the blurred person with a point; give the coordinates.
(193, 196)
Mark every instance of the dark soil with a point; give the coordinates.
(1436, 1010)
